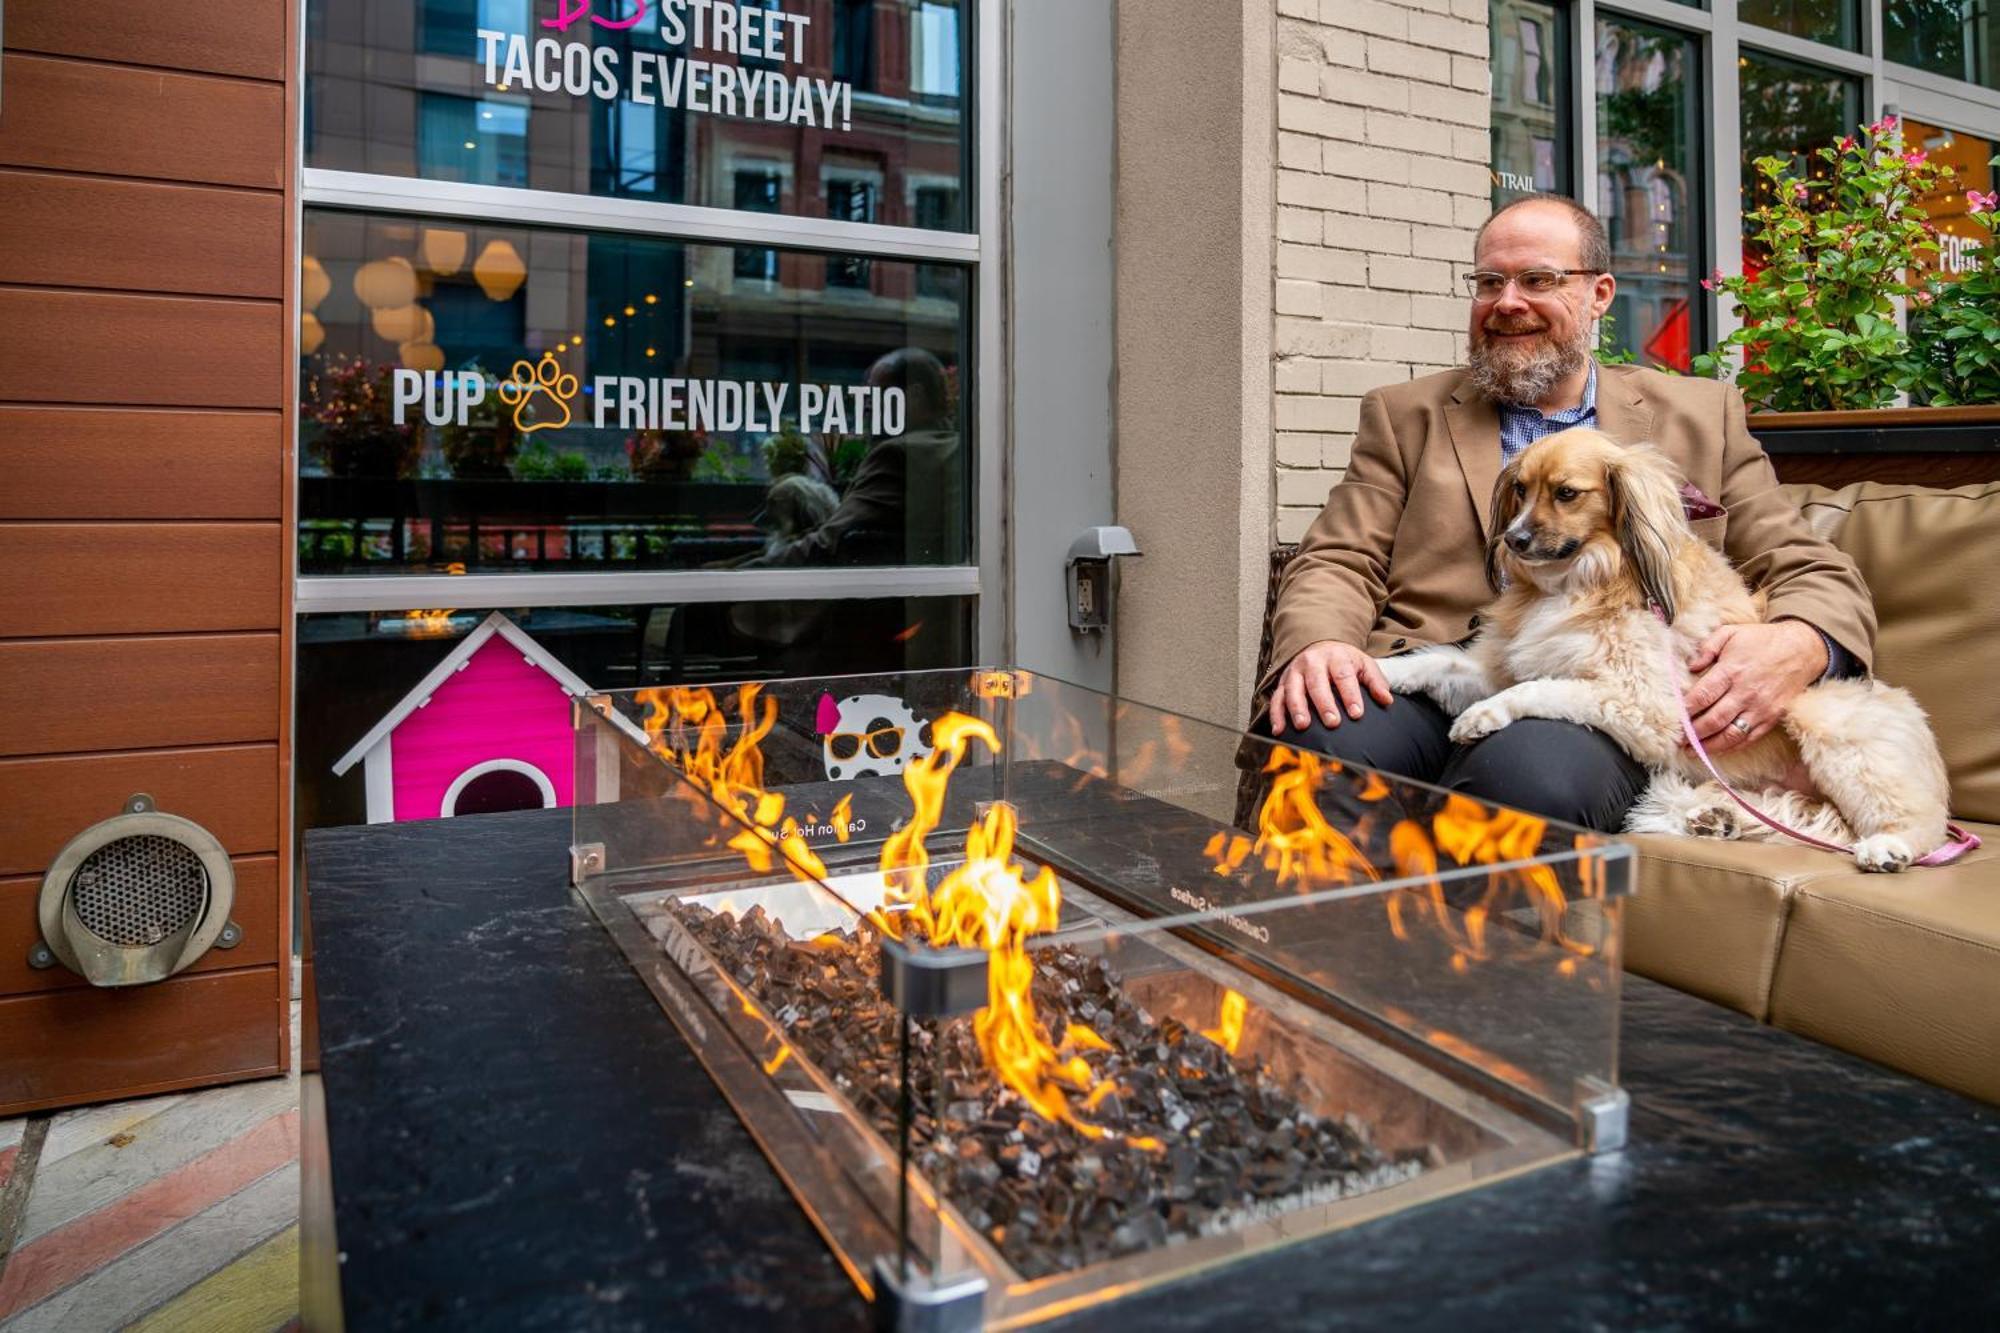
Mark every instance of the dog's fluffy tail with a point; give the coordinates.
(1870, 750)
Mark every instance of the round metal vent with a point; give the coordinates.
(137, 891)
(137, 897)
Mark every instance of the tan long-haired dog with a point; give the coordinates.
(1588, 536)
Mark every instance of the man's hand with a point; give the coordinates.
(1750, 672)
(1325, 677)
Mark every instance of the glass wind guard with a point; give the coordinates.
(1033, 995)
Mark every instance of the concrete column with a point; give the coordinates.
(1194, 231)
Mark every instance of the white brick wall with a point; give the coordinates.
(1382, 178)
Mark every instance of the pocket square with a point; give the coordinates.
(1698, 506)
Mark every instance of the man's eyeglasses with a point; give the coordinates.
(1488, 286)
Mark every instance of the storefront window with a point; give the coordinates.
(1835, 22)
(478, 397)
(657, 101)
(1649, 186)
(1789, 111)
(356, 669)
(1531, 102)
(1955, 38)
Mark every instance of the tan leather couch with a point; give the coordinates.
(1903, 969)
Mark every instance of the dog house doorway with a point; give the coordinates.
(496, 786)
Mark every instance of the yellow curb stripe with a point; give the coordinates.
(255, 1294)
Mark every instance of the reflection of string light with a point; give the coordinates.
(611, 321)
(688, 283)
(651, 351)
(630, 311)
(652, 299)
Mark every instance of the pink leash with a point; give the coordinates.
(1962, 840)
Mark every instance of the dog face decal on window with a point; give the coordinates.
(869, 735)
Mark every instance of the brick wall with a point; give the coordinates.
(1382, 179)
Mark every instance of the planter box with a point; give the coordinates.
(1930, 446)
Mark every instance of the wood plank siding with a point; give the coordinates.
(147, 345)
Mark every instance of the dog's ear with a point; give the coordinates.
(1506, 507)
(1647, 519)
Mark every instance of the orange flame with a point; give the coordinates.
(689, 729)
(1293, 836)
(1295, 840)
(429, 622)
(988, 901)
(1228, 1030)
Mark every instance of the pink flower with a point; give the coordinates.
(1922, 298)
(1707, 286)
(1847, 144)
(1915, 157)
(1980, 203)
(1883, 126)
(1799, 192)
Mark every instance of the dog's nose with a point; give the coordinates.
(1519, 542)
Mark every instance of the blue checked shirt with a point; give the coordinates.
(1521, 426)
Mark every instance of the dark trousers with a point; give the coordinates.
(1557, 769)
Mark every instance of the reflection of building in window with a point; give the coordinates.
(849, 199)
(451, 27)
(1954, 38)
(934, 50)
(1789, 111)
(636, 148)
(854, 43)
(480, 140)
(1535, 79)
(1647, 158)
(760, 62)
(757, 190)
(1530, 110)
(371, 65)
(935, 207)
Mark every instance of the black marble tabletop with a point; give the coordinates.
(519, 1139)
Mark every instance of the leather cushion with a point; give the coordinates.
(1709, 917)
(1904, 969)
(1927, 556)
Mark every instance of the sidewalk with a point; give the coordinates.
(177, 1212)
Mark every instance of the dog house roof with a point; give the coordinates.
(439, 675)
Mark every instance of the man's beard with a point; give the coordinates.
(1524, 374)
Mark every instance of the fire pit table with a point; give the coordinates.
(1042, 1004)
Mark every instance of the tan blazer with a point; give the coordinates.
(1394, 561)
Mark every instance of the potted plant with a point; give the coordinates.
(1834, 256)
(1825, 357)
(348, 400)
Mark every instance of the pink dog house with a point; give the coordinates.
(488, 729)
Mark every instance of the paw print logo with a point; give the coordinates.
(526, 383)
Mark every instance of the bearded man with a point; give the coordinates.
(1395, 561)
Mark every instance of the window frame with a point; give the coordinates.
(978, 249)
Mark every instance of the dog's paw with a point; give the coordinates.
(1884, 852)
(1713, 821)
(1480, 721)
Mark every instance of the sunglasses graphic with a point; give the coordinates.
(881, 743)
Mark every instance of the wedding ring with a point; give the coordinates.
(1741, 726)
